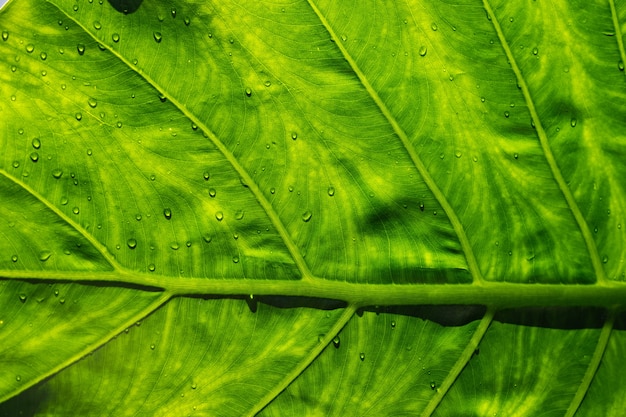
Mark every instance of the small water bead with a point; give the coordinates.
(30, 48)
(14, 258)
(162, 97)
(433, 385)
(57, 173)
(423, 50)
(235, 259)
(273, 190)
(116, 37)
(80, 48)
(331, 191)
(131, 243)
(336, 342)
(79, 116)
(18, 378)
(535, 51)
(23, 297)
(212, 192)
(516, 155)
(152, 346)
(43, 56)
(294, 135)
(362, 356)
(167, 213)
(248, 92)
(187, 21)
(206, 176)
(458, 154)
(267, 83)
(239, 214)
(306, 216)
(605, 259)
(573, 122)
(62, 300)
(219, 216)
(44, 255)
(620, 66)
(157, 37)
(393, 324)
(5, 35)
(13, 68)
(36, 143)
(34, 157)
(434, 27)
(16, 164)
(507, 114)
(92, 102)
(76, 210)
(119, 125)
(13, 98)
(97, 25)
(151, 267)
(75, 8)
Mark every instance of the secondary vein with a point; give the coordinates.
(618, 32)
(406, 142)
(545, 146)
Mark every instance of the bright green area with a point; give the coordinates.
(162, 163)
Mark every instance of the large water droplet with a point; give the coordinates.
(132, 243)
(76, 210)
(157, 36)
(219, 216)
(92, 102)
(97, 25)
(167, 213)
(5, 35)
(34, 157)
(45, 255)
(30, 48)
(57, 173)
(212, 192)
(306, 216)
(36, 143)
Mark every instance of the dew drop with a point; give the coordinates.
(151, 267)
(331, 191)
(119, 125)
(239, 214)
(80, 48)
(167, 213)
(336, 342)
(273, 190)
(306, 216)
(30, 48)
(207, 238)
(248, 92)
(294, 135)
(18, 378)
(219, 216)
(16, 164)
(535, 51)
(267, 83)
(235, 259)
(97, 25)
(433, 385)
(187, 21)
(423, 50)
(507, 114)
(44, 255)
(458, 154)
(206, 175)
(43, 56)
(36, 143)
(57, 173)
(605, 259)
(174, 246)
(23, 297)
(362, 356)
(434, 27)
(5, 35)
(212, 192)
(573, 122)
(620, 66)
(116, 37)
(34, 157)
(516, 155)
(157, 36)
(132, 243)
(92, 102)
(152, 346)
(393, 324)
(162, 97)
(14, 258)
(79, 116)
(76, 210)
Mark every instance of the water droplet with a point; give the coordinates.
(119, 125)
(18, 378)
(248, 92)
(516, 155)
(80, 48)
(187, 21)
(573, 122)
(162, 97)
(151, 267)
(13, 68)
(423, 50)
(30, 48)
(605, 259)
(34, 157)
(458, 154)
(219, 216)
(167, 213)
(306, 216)
(43, 56)
(239, 214)
(36, 143)
(157, 36)
(620, 66)
(434, 27)
(5, 35)
(362, 356)
(535, 51)
(76, 210)
(79, 116)
(336, 342)
(207, 238)
(13, 98)
(206, 176)
(507, 114)
(16, 164)
(57, 173)
(132, 243)
(44, 255)
(92, 102)
(393, 324)
(235, 259)
(212, 192)
(294, 135)
(267, 83)
(433, 385)
(23, 297)
(331, 191)
(273, 190)
(152, 346)
(116, 37)
(14, 258)
(97, 25)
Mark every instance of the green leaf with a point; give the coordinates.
(312, 208)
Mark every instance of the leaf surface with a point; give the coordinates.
(205, 202)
